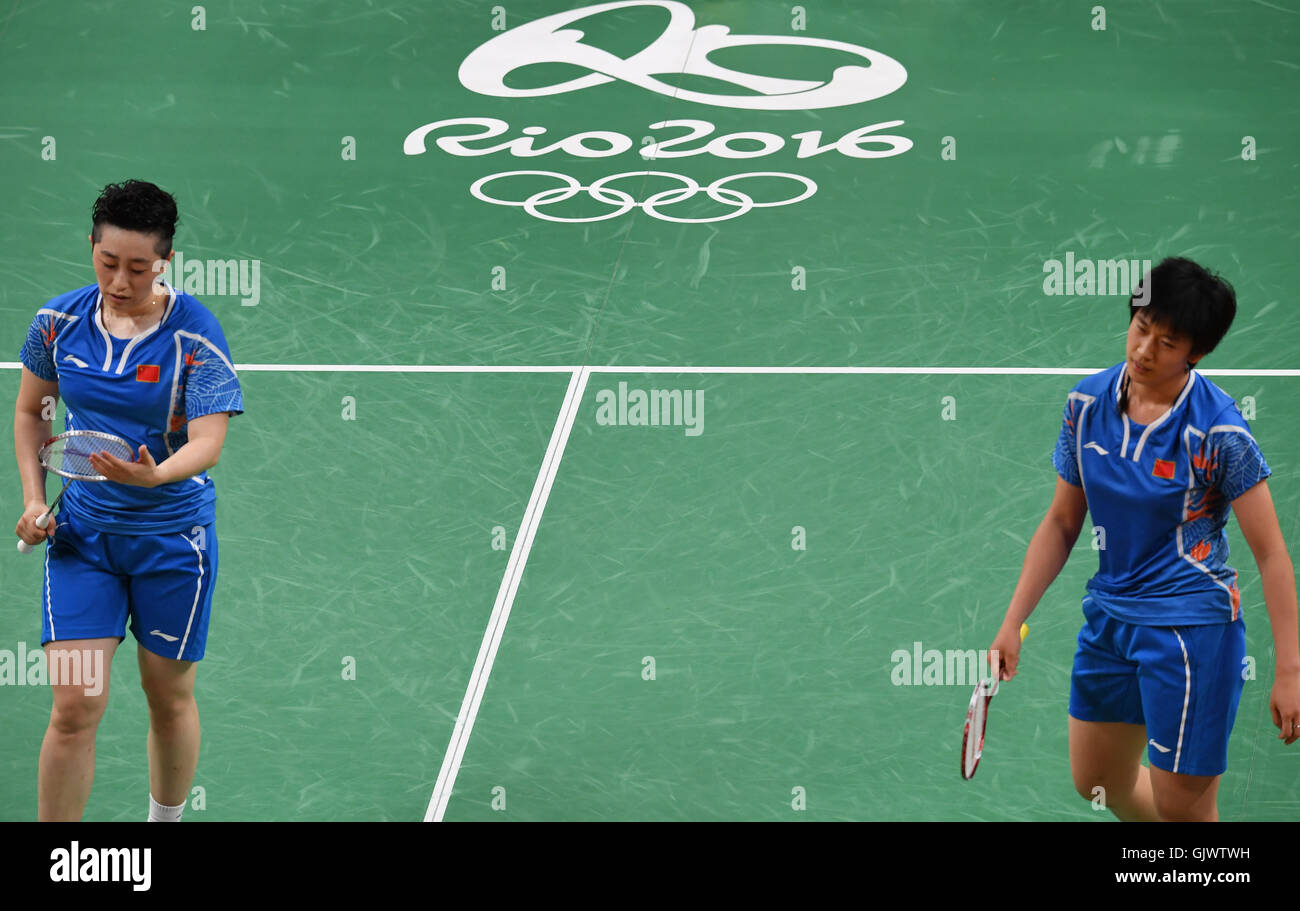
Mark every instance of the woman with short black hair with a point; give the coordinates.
(1160, 455)
(133, 357)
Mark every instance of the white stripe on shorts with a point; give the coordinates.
(49, 598)
(198, 588)
(1187, 696)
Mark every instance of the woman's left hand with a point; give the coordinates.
(142, 472)
(1285, 704)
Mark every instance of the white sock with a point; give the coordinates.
(160, 813)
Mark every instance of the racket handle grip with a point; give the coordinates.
(42, 521)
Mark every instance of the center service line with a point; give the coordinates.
(487, 652)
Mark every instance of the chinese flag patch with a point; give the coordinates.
(1163, 469)
(148, 373)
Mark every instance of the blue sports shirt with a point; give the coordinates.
(1162, 494)
(143, 389)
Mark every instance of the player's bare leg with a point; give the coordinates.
(66, 769)
(1109, 755)
(1185, 798)
(173, 726)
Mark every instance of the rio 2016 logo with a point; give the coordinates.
(680, 49)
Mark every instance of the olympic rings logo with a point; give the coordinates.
(719, 191)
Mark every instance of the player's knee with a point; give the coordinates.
(76, 715)
(1086, 779)
(1179, 797)
(1087, 788)
(1100, 786)
(1174, 807)
(167, 704)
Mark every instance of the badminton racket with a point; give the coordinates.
(977, 717)
(68, 455)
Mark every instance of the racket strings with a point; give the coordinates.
(973, 739)
(70, 456)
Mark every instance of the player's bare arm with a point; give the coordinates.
(32, 428)
(1258, 520)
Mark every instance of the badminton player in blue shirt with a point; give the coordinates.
(1160, 455)
(133, 357)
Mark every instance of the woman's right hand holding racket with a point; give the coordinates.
(1007, 645)
(28, 528)
(68, 455)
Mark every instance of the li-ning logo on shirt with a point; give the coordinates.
(147, 373)
(1092, 445)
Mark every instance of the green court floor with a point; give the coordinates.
(692, 625)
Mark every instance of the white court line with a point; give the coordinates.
(505, 598)
(659, 368)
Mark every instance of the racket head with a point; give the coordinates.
(68, 454)
(972, 741)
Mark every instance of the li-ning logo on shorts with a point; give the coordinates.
(681, 49)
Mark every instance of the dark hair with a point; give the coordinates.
(135, 205)
(1188, 301)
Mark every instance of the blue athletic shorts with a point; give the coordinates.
(1182, 682)
(95, 580)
